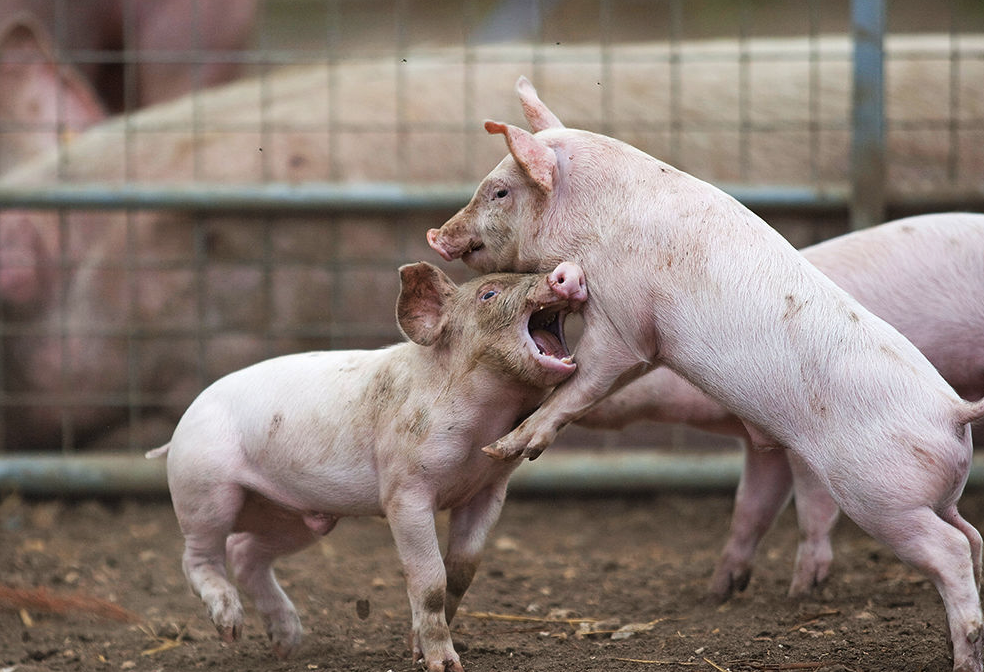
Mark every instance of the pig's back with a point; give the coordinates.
(293, 429)
(778, 342)
(925, 276)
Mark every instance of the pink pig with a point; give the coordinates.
(268, 458)
(903, 271)
(682, 275)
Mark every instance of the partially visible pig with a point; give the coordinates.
(42, 87)
(682, 275)
(42, 102)
(180, 43)
(267, 459)
(907, 272)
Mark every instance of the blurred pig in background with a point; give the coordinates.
(62, 63)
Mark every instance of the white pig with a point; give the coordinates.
(903, 271)
(268, 458)
(683, 275)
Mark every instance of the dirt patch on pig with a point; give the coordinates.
(586, 583)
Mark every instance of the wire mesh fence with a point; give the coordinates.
(189, 186)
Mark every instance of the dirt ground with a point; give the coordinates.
(620, 561)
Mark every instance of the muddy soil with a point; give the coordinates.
(555, 569)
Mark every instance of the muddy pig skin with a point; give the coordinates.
(903, 271)
(267, 459)
(684, 276)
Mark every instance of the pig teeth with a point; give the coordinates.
(568, 359)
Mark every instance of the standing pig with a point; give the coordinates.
(685, 276)
(269, 458)
(904, 272)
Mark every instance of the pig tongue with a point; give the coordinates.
(548, 343)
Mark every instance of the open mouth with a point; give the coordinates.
(546, 329)
(474, 246)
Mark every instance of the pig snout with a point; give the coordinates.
(567, 281)
(434, 240)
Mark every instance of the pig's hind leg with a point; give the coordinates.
(251, 556)
(946, 555)
(264, 531)
(206, 518)
(952, 516)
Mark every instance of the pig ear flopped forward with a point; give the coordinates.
(538, 116)
(421, 309)
(536, 159)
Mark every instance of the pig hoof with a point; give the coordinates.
(450, 664)
(228, 619)
(725, 584)
(229, 633)
(496, 451)
(285, 635)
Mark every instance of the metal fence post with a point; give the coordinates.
(868, 114)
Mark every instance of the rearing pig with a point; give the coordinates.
(905, 272)
(268, 458)
(683, 275)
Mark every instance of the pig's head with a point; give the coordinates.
(44, 102)
(546, 181)
(510, 323)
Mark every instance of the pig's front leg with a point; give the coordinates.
(411, 519)
(605, 363)
(469, 528)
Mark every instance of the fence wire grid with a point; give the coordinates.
(188, 186)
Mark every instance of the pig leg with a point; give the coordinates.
(764, 489)
(206, 521)
(605, 362)
(411, 519)
(816, 513)
(943, 553)
(973, 537)
(251, 556)
(469, 528)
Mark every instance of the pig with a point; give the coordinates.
(43, 88)
(99, 307)
(684, 276)
(903, 271)
(268, 458)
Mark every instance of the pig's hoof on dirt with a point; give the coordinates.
(804, 586)
(445, 665)
(725, 584)
(285, 635)
(229, 633)
(228, 618)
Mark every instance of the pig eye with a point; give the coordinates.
(502, 193)
(489, 294)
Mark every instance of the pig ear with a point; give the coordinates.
(532, 155)
(421, 310)
(536, 113)
(37, 90)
